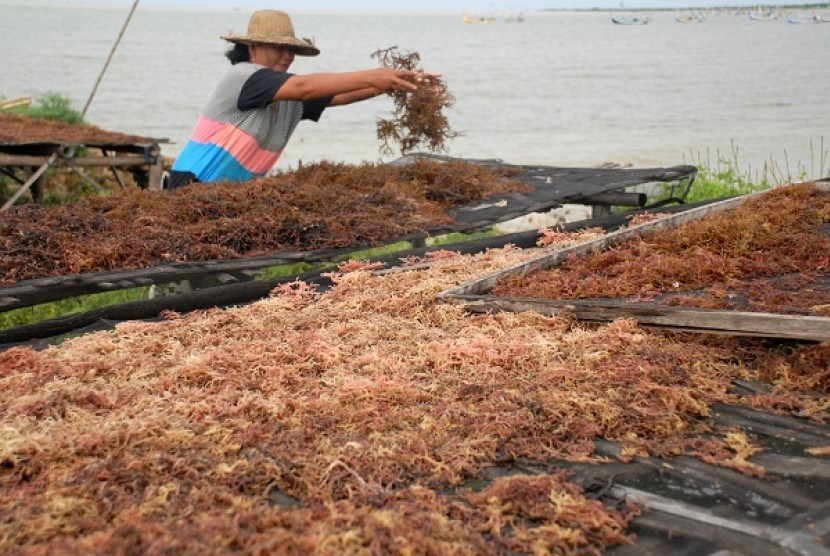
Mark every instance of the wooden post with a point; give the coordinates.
(154, 175)
(156, 170)
(115, 173)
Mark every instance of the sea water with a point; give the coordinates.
(557, 88)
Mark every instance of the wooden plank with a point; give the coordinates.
(155, 175)
(15, 102)
(783, 421)
(552, 259)
(25, 187)
(768, 325)
(27, 160)
(738, 531)
(704, 539)
(772, 431)
(816, 521)
(646, 544)
(781, 500)
(793, 467)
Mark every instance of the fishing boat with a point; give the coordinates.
(688, 17)
(821, 17)
(630, 20)
(477, 19)
(761, 14)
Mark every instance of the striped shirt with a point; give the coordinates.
(241, 134)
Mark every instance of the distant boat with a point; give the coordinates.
(634, 20)
(470, 19)
(688, 18)
(761, 14)
(795, 19)
(822, 18)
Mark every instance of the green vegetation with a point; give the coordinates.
(51, 105)
(724, 177)
(80, 304)
(448, 239)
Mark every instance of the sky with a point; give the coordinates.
(443, 5)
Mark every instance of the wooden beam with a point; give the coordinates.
(793, 467)
(765, 325)
(27, 160)
(779, 540)
(25, 187)
(15, 102)
(155, 174)
(552, 259)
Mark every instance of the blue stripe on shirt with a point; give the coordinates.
(210, 163)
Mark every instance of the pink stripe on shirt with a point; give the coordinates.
(241, 146)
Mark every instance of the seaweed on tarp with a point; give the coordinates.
(354, 420)
(318, 206)
(769, 254)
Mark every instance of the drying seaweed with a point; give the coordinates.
(771, 254)
(418, 118)
(353, 420)
(16, 129)
(317, 206)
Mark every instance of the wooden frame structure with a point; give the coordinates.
(475, 295)
(36, 145)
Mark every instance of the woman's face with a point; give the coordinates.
(271, 56)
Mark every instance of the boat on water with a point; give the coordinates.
(822, 17)
(477, 19)
(688, 17)
(630, 20)
(761, 14)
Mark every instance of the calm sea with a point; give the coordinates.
(566, 89)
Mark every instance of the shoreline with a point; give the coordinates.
(75, 4)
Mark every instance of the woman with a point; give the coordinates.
(257, 104)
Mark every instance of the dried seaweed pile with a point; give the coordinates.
(771, 253)
(351, 421)
(418, 118)
(317, 206)
(16, 129)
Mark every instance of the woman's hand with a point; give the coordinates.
(386, 79)
(348, 87)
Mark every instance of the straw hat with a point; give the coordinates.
(274, 27)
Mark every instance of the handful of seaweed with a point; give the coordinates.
(418, 118)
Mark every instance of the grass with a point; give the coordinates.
(724, 177)
(63, 307)
(52, 106)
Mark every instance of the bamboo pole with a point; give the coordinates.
(109, 58)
